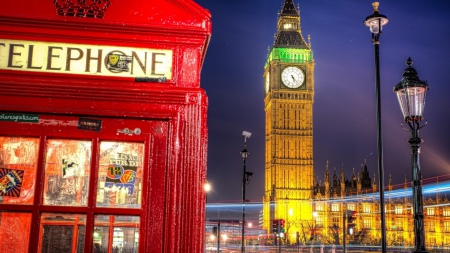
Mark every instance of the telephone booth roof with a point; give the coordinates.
(181, 26)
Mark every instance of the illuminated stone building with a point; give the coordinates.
(338, 195)
(289, 97)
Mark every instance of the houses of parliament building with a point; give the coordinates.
(313, 209)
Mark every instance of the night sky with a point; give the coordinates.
(344, 108)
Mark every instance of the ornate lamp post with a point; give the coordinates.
(245, 179)
(375, 22)
(411, 93)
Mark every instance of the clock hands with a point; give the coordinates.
(292, 77)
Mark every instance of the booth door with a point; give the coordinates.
(79, 184)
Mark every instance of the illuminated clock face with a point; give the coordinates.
(292, 77)
(267, 85)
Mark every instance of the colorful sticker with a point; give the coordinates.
(121, 173)
(119, 63)
(10, 182)
(70, 168)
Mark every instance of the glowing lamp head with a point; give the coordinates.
(411, 93)
(376, 21)
(207, 187)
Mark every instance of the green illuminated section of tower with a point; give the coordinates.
(288, 55)
(289, 98)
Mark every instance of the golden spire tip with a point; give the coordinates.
(375, 6)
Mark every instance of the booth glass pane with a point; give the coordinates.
(15, 232)
(18, 164)
(120, 175)
(100, 244)
(62, 232)
(67, 169)
(124, 236)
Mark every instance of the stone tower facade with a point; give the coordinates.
(289, 97)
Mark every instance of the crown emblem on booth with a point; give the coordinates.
(82, 8)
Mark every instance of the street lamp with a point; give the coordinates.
(411, 93)
(315, 214)
(245, 179)
(375, 22)
(206, 188)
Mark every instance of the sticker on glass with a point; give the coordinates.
(10, 182)
(70, 168)
(121, 173)
(119, 63)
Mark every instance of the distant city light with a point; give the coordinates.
(207, 187)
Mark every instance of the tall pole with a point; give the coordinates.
(218, 236)
(245, 175)
(376, 21)
(279, 244)
(419, 234)
(380, 145)
(344, 232)
(243, 205)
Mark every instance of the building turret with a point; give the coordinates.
(353, 179)
(374, 185)
(358, 182)
(335, 180)
(326, 182)
(342, 181)
(364, 175)
(390, 183)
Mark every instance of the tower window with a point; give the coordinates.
(367, 223)
(446, 226)
(319, 207)
(287, 26)
(431, 226)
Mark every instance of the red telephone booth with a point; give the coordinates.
(102, 126)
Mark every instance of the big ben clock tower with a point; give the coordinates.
(289, 96)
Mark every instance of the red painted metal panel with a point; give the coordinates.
(174, 213)
(176, 14)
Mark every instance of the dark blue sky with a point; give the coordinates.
(344, 108)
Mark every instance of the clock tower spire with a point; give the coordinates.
(288, 30)
(289, 96)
